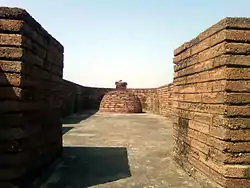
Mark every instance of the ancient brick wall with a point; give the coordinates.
(165, 95)
(74, 98)
(212, 104)
(31, 65)
(148, 98)
(156, 100)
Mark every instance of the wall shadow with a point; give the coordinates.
(77, 118)
(66, 129)
(80, 167)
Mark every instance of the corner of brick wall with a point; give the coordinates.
(74, 98)
(212, 104)
(165, 96)
(31, 68)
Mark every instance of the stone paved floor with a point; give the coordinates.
(117, 151)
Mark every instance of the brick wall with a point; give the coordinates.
(148, 98)
(156, 100)
(31, 64)
(74, 98)
(165, 95)
(211, 101)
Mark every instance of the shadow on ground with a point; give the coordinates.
(66, 129)
(77, 118)
(81, 167)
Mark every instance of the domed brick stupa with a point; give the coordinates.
(120, 100)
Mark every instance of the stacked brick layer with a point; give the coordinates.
(165, 95)
(31, 64)
(156, 100)
(212, 104)
(148, 99)
(120, 101)
(74, 98)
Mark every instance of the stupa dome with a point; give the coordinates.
(120, 100)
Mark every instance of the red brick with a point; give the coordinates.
(241, 23)
(10, 66)
(10, 39)
(7, 25)
(233, 60)
(11, 53)
(10, 79)
(231, 123)
(225, 146)
(238, 85)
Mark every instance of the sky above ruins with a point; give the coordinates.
(132, 40)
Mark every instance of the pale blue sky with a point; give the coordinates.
(132, 40)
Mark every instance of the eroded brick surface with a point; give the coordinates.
(120, 101)
(30, 135)
(211, 104)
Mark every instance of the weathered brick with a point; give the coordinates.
(237, 48)
(8, 25)
(20, 14)
(226, 170)
(30, 135)
(237, 98)
(10, 66)
(10, 79)
(229, 182)
(229, 134)
(232, 60)
(10, 39)
(232, 23)
(201, 108)
(218, 74)
(212, 153)
(213, 98)
(238, 85)
(225, 146)
(211, 106)
(231, 123)
(15, 53)
(204, 55)
(237, 111)
(232, 35)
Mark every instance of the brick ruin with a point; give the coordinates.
(120, 100)
(31, 64)
(212, 104)
(208, 101)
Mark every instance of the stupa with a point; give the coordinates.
(120, 100)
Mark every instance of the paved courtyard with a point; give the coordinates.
(117, 151)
